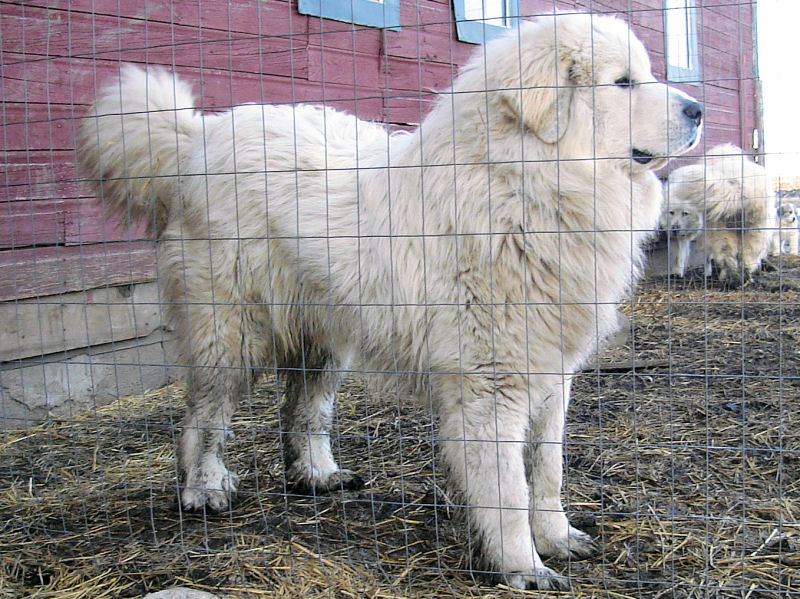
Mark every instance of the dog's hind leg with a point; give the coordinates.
(306, 418)
(727, 259)
(551, 529)
(219, 353)
(755, 244)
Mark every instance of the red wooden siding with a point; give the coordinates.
(55, 239)
(54, 270)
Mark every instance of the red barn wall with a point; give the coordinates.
(54, 239)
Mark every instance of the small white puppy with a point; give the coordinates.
(787, 237)
(682, 221)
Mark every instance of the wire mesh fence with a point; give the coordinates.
(459, 219)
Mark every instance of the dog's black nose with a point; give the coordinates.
(694, 111)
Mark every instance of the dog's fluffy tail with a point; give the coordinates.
(135, 141)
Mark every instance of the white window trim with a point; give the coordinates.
(480, 31)
(679, 73)
(374, 13)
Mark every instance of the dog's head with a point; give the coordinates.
(584, 81)
(788, 215)
(681, 220)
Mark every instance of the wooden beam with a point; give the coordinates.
(35, 272)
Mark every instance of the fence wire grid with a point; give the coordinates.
(457, 265)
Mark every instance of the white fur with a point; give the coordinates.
(738, 205)
(787, 237)
(478, 258)
(682, 220)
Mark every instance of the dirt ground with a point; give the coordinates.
(682, 459)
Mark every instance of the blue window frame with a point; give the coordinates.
(375, 13)
(680, 38)
(478, 21)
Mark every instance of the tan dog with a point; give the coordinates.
(478, 258)
(682, 220)
(738, 206)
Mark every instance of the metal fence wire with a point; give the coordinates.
(294, 297)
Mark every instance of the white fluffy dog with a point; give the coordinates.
(738, 205)
(479, 257)
(787, 237)
(682, 220)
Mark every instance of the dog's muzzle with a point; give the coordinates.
(693, 112)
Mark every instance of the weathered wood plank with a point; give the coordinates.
(74, 81)
(431, 43)
(34, 272)
(87, 221)
(333, 34)
(264, 16)
(412, 74)
(37, 175)
(430, 35)
(33, 123)
(648, 16)
(58, 81)
(31, 127)
(38, 222)
(46, 325)
(333, 65)
(43, 33)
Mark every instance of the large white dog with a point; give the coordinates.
(735, 197)
(479, 257)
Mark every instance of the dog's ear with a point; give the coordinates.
(540, 92)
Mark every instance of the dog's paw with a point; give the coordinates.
(211, 487)
(575, 545)
(543, 579)
(198, 500)
(334, 481)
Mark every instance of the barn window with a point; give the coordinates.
(481, 20)
(375, 13)
(680, 34)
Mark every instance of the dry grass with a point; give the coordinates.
(685, 467)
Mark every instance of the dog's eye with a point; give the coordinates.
(684, 214)
(672, 213)
(624, 82)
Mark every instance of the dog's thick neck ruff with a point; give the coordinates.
(548, 189)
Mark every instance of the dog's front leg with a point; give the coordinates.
(777, 243)
(684, 251)
(551, 529)
(676, 256)
(483, 439)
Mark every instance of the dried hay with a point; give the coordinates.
(682, 456)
